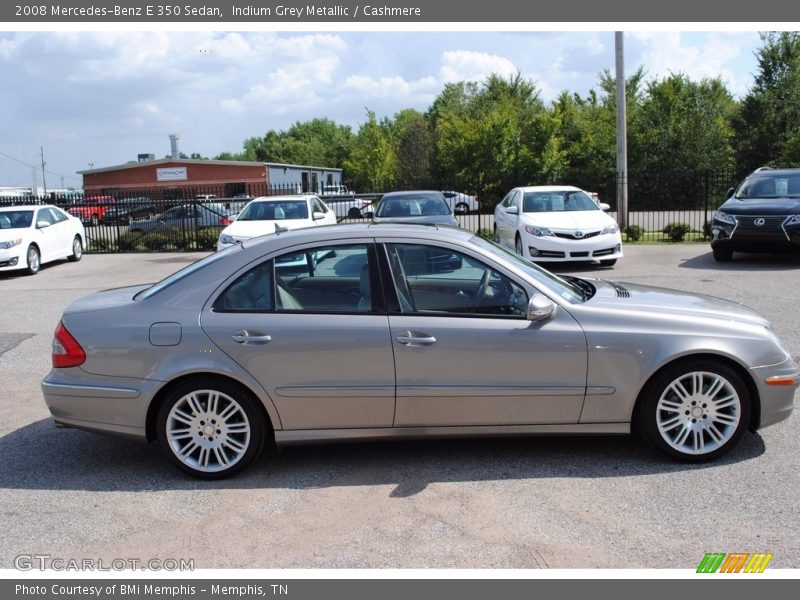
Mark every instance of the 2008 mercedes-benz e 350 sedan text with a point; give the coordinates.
(375, 331)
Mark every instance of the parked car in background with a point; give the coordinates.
(556, 223)
(460, 203)
(36, 234)
(91, 209)
(126, 210)
(414, 207)
(186, 217)
(266, 214)
(761, 215)
(344, 203)
(397, 331)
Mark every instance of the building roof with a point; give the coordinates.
(194, 161)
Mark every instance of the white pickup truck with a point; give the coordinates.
(344, 203)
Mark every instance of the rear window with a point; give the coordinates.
(185, 272)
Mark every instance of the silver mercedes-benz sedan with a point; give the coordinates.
(387, 331)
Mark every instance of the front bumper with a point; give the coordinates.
(772, 235)
(13, 258)
(555, 249)
(777, 401)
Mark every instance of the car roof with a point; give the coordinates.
(351, 230)
(550, 188)
(771, 171)
(282, 198)
(402, 193)
(26, 207)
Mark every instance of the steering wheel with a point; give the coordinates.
(483, 286)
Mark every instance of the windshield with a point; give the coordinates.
(770, 186)
(567, 290)
(557, 201)
(16, 219)
(186, 271)
(413, 205)
(274, 211)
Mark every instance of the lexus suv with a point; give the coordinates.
(761, 215)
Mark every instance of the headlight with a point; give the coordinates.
(11, 244)
(725, 217)
(793, 220)
(610, 229)
(538, 231)
(226, 239)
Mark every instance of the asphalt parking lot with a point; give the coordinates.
(514, 503)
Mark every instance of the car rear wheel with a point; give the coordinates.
(694, 411)
(77, 249)
(94, 220)
(722, 254)
(34, 260)
(354, 213)
(462, 208)
(211, 429)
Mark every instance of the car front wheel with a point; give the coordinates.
(722, 254)
(210, 429)
(34, 260)
(695, 411)
(518, 246)
(77, 249)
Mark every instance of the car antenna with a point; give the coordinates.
(279, 229)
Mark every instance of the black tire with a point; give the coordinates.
(722, 254)
(354, 213)
(94, 220)
(609, 262)
(461, 208)
(240, 448)
(518, 246)
(34, 260)
(495, 236)
(694, 416)
(77, 249)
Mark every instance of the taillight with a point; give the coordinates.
(224, 221)
(67, 352)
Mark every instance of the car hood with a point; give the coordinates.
(633, 297)
(112, 298)
(431, 219)
(8, 235)
(762, 206)
(569, 220)
(250, 229)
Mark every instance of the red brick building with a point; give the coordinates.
(185, 178)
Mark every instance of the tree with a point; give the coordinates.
(372, 163)
(412, 141)
(768, 125)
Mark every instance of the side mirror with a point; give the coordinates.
(512, 210)
(730, 192)
(42, 224)
(604, 206)
(540, 308)
(317, 216)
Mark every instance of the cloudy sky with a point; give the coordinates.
(102, 98)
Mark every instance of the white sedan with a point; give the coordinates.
(557, 223)
(268, 214)
(32, 235)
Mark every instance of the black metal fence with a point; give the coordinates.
(191, 219)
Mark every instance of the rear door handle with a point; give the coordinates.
(245, 337)
(413, 339)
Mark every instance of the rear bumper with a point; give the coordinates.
(111, 406)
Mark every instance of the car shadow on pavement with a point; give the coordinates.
(744, 262)
(39, 457)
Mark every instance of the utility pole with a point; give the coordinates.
(622, 136)
(44, 182)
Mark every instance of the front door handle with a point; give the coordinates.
(410, 338)
(245, 337)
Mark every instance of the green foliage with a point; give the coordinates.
(633, 233)
(486, 234)
(768, 124)
(169, 239)
(372, 161)
(676, 231)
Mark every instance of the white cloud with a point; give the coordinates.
(466, 65)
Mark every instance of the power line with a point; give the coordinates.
(22, 162)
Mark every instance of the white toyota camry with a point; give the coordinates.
(263, 215)
(32, 235)
(557, 223)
